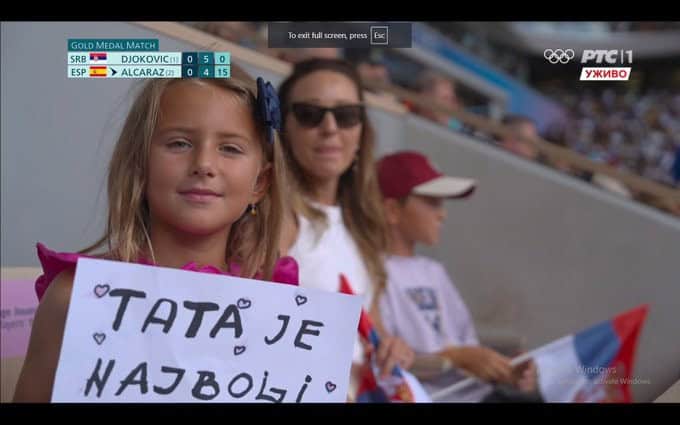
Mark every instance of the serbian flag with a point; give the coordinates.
(399, 386)
(98, 57)
(594, 365)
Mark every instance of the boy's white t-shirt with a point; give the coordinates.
(423, 307)
(321, 259)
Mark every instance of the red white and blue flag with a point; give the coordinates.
(98, 57)
(399, 386)
(594, 365)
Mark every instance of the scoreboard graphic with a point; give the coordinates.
(99, 63)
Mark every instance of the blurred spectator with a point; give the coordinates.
(521, 129)
(371, 67)
(441, 90)
(370, 64)
(373, 72)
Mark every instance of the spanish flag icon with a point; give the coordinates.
(98, 71)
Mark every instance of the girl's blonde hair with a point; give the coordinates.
(358, 191)
(253, 240)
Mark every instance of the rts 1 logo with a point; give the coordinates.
(606, 57)
(609, 56)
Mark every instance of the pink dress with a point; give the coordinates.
(53, 263)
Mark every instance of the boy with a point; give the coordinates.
(420, 304)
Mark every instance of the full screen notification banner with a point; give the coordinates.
(339, 34)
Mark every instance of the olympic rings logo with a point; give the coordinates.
(558, 55)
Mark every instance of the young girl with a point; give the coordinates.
(195, 183)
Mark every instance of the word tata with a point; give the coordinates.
(230, 318)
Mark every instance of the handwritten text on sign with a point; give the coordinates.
(151, 334)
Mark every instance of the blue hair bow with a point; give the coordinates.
(269, 107)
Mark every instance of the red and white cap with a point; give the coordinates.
(406, 172)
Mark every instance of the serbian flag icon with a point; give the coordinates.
(98, 58)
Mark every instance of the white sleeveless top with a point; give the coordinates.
(321, 260)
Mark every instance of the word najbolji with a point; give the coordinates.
(205, 388)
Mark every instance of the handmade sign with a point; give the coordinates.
(137, 333)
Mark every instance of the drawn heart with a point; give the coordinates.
(101, 290)
(99, 338)
(330, 387)
(243, 303)
(300, 299)
(238, 349)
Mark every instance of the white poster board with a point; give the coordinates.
(137, 333)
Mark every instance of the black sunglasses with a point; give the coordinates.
(346, 116)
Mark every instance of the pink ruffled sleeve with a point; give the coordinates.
(52, 263)
(286, 271)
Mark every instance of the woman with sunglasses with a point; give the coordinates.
(337, 224)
